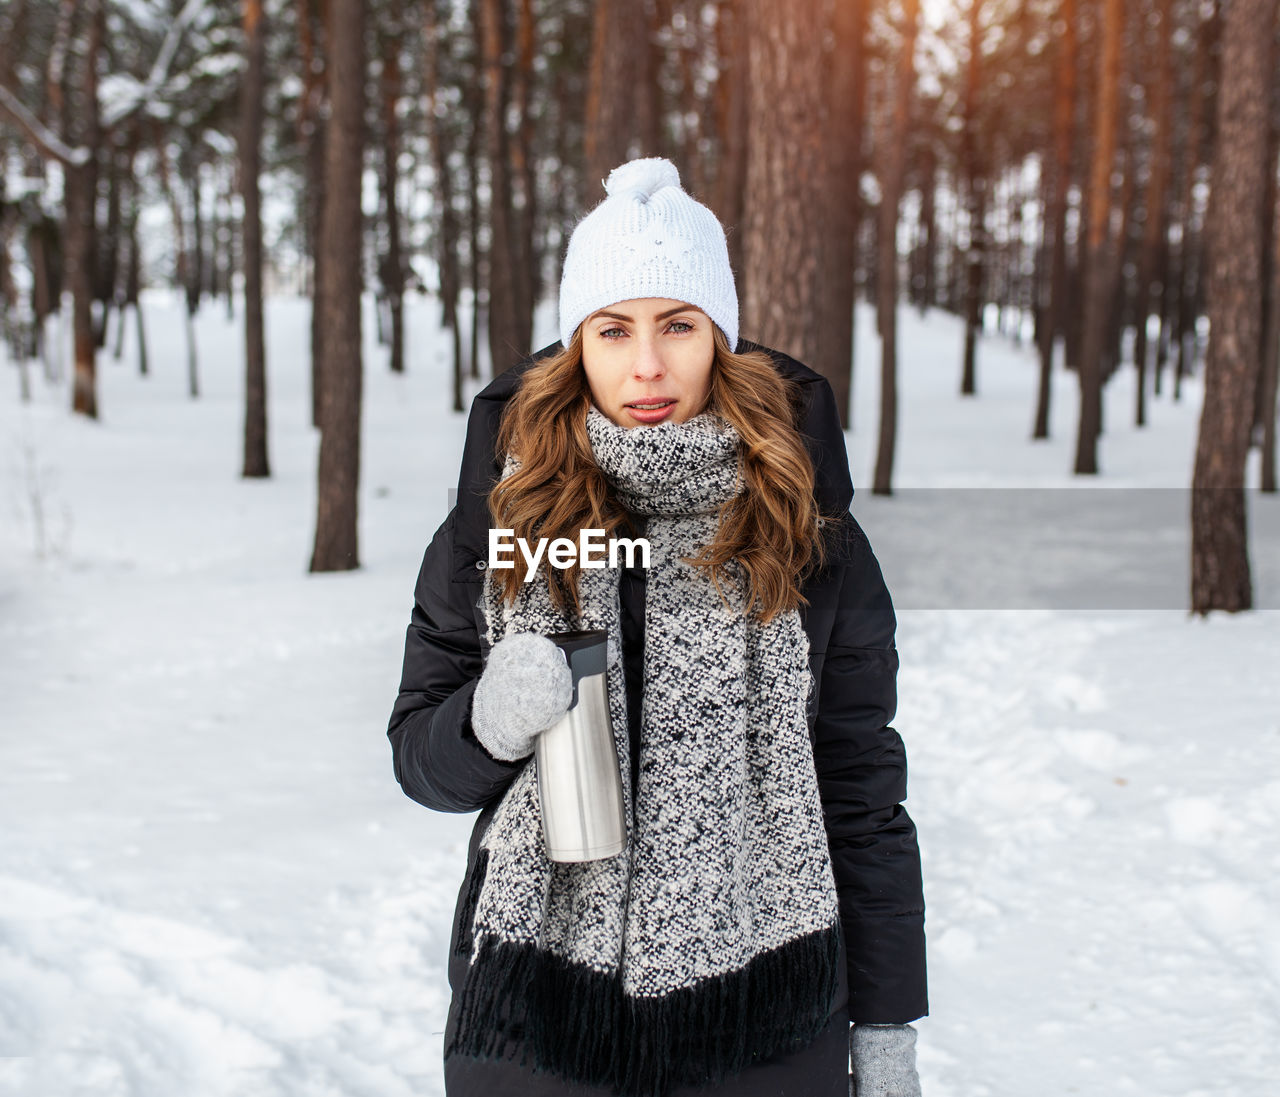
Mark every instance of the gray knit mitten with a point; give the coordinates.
(525, 688)
(883, 1058)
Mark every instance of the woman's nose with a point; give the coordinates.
(648, 364)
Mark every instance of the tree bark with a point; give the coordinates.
(1049, 320)
(731, 125)
(618, 92)
(887, 292)
(225, 245)
(1191, 248)
(1270, 231)
(1271, 365)
(1219, 542)
(1120, 296)
(925, 278)
(311, 132)
(256, 463)
(81, 183)
(473, 96)
(975, 171)
(447, 250)
(341, 366)
(184, 262)
(1154, 229)
(786, 211)
(509, 327)
(834, 357)
(197, 287)
(1097, 279)
(392, 266)
(107, 249)
(526, 260)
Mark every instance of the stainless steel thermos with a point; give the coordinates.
(579, 783)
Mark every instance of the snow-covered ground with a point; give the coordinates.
(211, 884)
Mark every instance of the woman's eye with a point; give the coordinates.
(680, 327)
(612, 333)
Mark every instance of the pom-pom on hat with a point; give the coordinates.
(648, 238)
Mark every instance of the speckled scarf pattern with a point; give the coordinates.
(710, 941)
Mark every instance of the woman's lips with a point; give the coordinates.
(650, 414)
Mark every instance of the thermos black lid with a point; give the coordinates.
(586, 651)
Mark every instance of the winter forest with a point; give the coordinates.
(257, 257)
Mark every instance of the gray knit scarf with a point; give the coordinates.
(710, 942)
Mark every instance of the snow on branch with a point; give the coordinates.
(49, 143)
(125, 105)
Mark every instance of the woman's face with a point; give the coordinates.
(648, 360)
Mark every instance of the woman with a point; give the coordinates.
(769, 893)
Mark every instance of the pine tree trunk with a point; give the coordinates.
(1097, 304)
(256, 463)
(44, 294)
(128, 242)
(81, 184)
(1219, 542)
(193, 366)
(341, 365)
(927, 290)
(447, 235)
(1051, 311)
(186, 275)
(508, 330)
(1022, 253)
(196, 285)
(117, 348)
(393, 262)
(226, 249)
(1271, 366)
(107, 258)
(1191, 251)
(974, 285)
(887, 293)
(975, 171)
(1270, 231)
(78, 188)
(731, 124)
(311, 133)
(526, 262)
(142, 338)
(834, 358)
(1154, 229)
(617, 90)
(785, 210)
(1120, 292)
(473, 96)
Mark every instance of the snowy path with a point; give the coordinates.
(210, 883)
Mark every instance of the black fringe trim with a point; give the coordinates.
(467, 915)
(576, 1023)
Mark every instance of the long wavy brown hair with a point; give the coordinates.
(768, 536)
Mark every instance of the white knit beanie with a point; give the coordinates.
(648, 238)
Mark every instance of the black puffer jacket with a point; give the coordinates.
(860, 760)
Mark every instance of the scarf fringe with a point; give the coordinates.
(467, 915)
(575, 1022)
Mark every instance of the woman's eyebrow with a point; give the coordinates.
(660, 316)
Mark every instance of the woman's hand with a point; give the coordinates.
(883, 1058)
(525, 688)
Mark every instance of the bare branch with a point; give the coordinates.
(46, 141)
